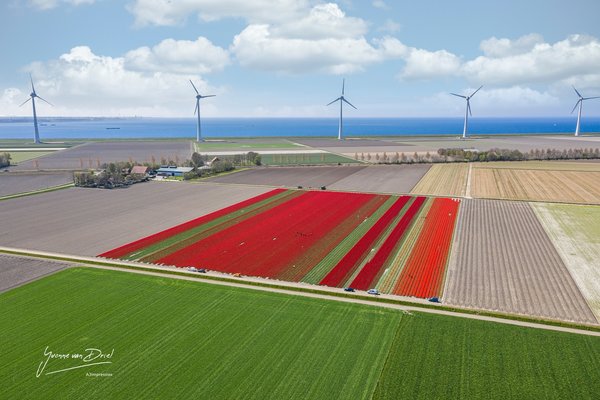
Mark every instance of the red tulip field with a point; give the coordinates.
(329, 238)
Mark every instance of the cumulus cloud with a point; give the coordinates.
(81, 82)
(322, 21)
(380, 4)
(424, 64)
(255, 47)
(509, 63)
(49, 4)
(180, 56)
(167, 12)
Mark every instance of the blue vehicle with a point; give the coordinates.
(348, 289)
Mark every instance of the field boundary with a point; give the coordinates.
(31, 193)
(315, 291)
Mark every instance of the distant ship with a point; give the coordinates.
(113, 128)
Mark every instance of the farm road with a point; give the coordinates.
(164, 272)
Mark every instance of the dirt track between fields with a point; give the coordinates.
(163, 271)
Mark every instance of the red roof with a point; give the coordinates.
(139, 169)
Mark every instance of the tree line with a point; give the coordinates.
(446, 155)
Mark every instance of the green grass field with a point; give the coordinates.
(174, 338)
(305, 159)
(246, 145)
(20, 156)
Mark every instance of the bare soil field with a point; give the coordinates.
(566, 165)
(91, 221)
(16, 271)
(502, 260)
(290, 177)
(443, 180)
(383, 179)
(91, 155)
(20, 183)
(537, 185)
(575, 232)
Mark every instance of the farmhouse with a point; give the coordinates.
(172, 170)
(139, 169)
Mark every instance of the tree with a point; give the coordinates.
(197, 160)
(4, 160)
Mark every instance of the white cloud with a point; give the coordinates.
(255, 47)
(496, 48)
(424, 64)
(179, 56)
(510, 63)
(83, 83)
(389, 26)
(172, 12)
(49, 4)
(380, 4)
(323, 21)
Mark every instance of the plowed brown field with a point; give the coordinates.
(503, 260)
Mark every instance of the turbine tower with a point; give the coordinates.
(197, 111)
(467, 111)
(33, 95)
(342, 100)
(580, 104)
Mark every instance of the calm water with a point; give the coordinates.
(78, 128)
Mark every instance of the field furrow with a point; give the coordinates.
(502, 260)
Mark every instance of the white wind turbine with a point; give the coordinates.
(580, 104)
(467, 111)
(33, 95)
(342, 100)
(197, 110)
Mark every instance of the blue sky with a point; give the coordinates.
(287, 57)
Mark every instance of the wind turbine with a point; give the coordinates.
(342, 100)
(580, 104)
(467, 111)
(197, 110)
(36, 137)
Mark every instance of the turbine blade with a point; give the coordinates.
(208, 95)
(476, 91)
(343, 84)
(576, 91)
(590, 98)
(196, 109)
(44, 100)
(350, 104)
(334, 101)
(194, 87)
(23, 103)
(576, 104)
(32, 87)
(458, 95)
(469, 108)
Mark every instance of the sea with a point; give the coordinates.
(138, 128)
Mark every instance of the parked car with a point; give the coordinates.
(434, 300)
(373, 291)
(192, 269)
(349, 289)
(201, 270)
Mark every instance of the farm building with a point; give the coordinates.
(173, 171)
(139, 169)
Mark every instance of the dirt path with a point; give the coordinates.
(164, 272)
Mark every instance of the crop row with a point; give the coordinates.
(331, 238)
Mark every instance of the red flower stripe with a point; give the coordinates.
(372, 268)
(423, 273)
(299, 267)
(157, 237)
(348, 264)
(263, 245)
